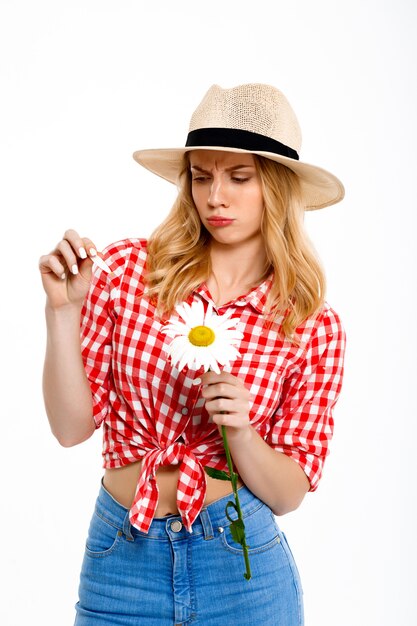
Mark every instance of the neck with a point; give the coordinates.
(237, 266)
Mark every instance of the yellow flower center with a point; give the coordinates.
(201, 336)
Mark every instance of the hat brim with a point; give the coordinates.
(319, 187)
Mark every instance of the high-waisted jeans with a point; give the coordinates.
(170, 576)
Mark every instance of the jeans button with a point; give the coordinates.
(176, 526)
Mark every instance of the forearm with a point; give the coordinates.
(66, 390)
(272, 476)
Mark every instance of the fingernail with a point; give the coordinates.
(93, 252)
(74, 269)
(63, 276)
(82, 253)
(197, 381)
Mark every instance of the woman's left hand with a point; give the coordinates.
(227, 401)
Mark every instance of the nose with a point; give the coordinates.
(217, 196)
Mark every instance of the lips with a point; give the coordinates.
(220, 221)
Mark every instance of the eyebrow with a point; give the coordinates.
(227, 169)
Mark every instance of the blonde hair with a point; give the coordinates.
(179, 259)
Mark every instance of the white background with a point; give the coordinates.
(85, 83)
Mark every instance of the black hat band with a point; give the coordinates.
(237, 138)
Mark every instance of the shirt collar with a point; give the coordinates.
(256, 297)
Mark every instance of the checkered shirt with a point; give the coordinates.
(152, 412)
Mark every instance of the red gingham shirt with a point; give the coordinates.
(146, 405)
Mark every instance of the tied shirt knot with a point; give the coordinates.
(191, 488)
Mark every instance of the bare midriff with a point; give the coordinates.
(121, 484)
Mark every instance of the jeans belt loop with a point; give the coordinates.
(206, 523)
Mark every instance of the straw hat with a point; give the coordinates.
(253, 118)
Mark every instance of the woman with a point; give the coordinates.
(160, 548)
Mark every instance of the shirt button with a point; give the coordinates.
(176, 526)
(184, 411)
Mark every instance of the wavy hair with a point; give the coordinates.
(179, 259)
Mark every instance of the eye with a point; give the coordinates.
(200, 179)
(239, 179)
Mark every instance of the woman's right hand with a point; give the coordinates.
(66, 271)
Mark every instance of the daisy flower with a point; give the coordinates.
(202, 339)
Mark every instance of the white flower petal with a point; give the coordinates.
(192, 360)
(230, 325)
(184, 311)
(231, 336)
(192, 314)
(212, 364)
(198, 311)
(178, 349)
(175, 328)
(183, 361)
(208, 317)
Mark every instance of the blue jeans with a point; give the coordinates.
(170, 576)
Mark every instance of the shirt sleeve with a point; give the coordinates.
(303, 423)
(97, 322)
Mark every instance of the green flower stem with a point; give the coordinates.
(233, 478)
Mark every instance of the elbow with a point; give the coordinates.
(69, 429)
(291, 501)
(67, 442)
(282, 508)
(69, 439)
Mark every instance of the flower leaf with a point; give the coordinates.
(215, 473)
(237, 529)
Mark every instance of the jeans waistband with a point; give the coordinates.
(212, 515)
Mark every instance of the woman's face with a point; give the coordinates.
(226, 190)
